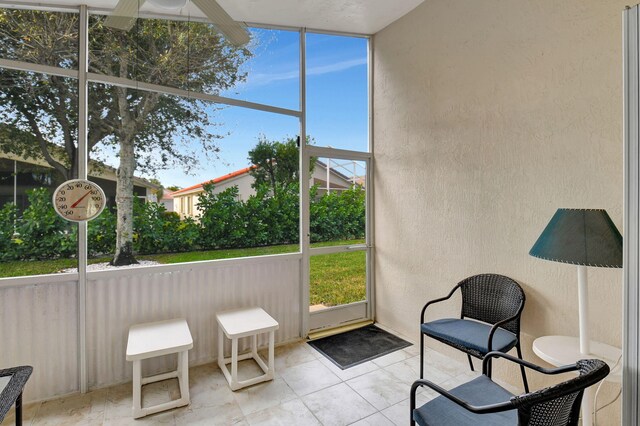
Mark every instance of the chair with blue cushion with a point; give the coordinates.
(482, 402)
(489, 319)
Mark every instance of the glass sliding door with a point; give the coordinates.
(338, 231)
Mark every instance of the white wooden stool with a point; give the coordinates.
(156, 339)
(243, 323)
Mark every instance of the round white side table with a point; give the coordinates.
(564, 350)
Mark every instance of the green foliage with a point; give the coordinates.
(282, 214)
(263, 219)
(8, 214)
(101, 233)
(40, 232)
(182, 234)
(158, 231)
(276, 163)
(256, 220)
(226, 222)
(147, 226)
(338, 215)
(222, 220)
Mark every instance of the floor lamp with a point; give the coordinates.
(583, 237)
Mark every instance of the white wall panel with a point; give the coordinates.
(40, 328)
(631, 347)
(39, 315)
(196, 292)
(489, 116)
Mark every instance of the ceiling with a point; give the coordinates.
(352, 16)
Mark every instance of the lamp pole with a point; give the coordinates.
(583, 310)
(585, 350)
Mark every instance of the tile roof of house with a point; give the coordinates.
(216, 180)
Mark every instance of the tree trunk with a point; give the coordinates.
(124, 202)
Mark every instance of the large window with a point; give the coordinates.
(36, 147)
(337, 91)
(194, 141)
(272, 75)
(38, 139)
(204, 201)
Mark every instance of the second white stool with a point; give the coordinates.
(244, 323)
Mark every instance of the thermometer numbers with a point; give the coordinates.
(79, 200)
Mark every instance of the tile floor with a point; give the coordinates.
(307, 390)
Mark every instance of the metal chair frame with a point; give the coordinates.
(12, 392)
(470, 310)
(530, 405)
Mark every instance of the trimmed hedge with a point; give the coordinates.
(39, 233)
(225, 222)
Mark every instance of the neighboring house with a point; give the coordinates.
(167, 200)
(185, 201)
(337, 180)
(18, 175)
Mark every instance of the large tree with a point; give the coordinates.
(277, 163)
(147, 131)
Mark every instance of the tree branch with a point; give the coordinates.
(43, 147)
(62, 117)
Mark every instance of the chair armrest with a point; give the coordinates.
(497, 325)
(481, 409)
(12, 392)
(496, 354)
(431, 302)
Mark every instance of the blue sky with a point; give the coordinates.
(336, 100)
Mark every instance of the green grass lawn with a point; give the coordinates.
(338, 278)
(40, 267)
(195, 256)
(335, 278)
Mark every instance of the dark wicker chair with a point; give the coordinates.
(482, 402)
(12, 393)
(489, 319)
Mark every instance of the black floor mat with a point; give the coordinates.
(357, 346)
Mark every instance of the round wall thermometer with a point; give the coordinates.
(78, 200)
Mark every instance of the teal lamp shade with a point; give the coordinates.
(581, 237)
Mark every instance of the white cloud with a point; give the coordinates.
(263, 79)
(339, 66)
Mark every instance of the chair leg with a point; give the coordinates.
(412, 406)
(524, 376)
(489, 365)
(18, 411)
(470, 362)
(421, 355)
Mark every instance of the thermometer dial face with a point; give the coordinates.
(78, 200)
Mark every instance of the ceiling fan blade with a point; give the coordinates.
(124, 14)
(232, 30)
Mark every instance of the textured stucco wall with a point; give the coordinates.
(490, 115)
